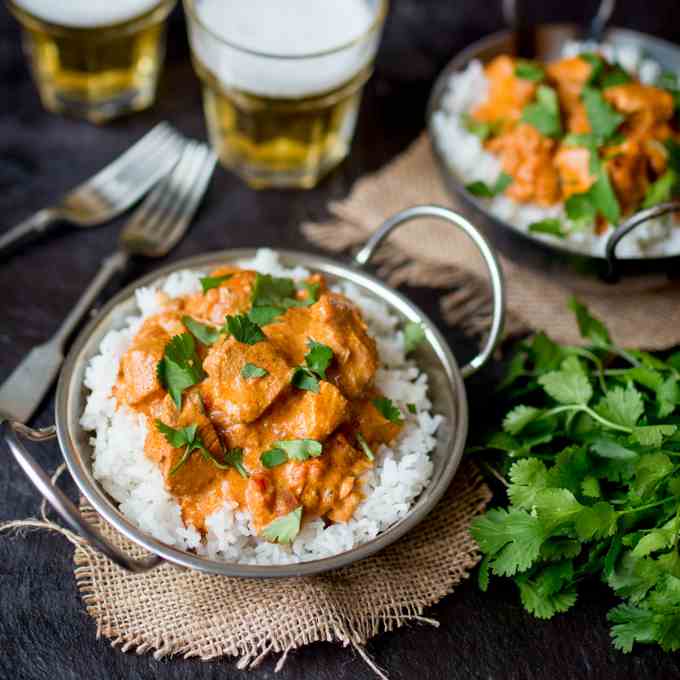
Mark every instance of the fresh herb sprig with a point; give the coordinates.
(590, 450)
(291, 449)
(180, 367)
(317, 361)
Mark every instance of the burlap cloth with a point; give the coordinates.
(639, 314)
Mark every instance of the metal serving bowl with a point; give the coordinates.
(447, 393)
(546, 42)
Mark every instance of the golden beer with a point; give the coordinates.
(282, 120)
(90, 69)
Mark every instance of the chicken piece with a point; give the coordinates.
(197, 473)
(573, 166)
(306, 415)
(527, 156)
(507, 94)
(647, 105)
(138, 381)
(239, 399)
(232, 296)
(569, 77)
(372, 424)
(336, 322)
(627, 169)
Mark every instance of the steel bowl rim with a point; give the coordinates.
(455, 185)
(107, 508)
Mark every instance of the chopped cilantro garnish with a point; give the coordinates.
(264, 314)
(412, 408)
(603, 118)
(662, 190)
(544, 113)
(529, 70)
(252, 371)
(304, 379)
(299, 449)
(615, 76)
(414, 335)
(365, 447)
(284, 529)
(273, 457)
(272, 291)
(318, 358)
(243, 329)
(549, 225)
(205, 334)
(208, 282)
(479, 128)
(180, 367)
(387, 409)
(483, 190)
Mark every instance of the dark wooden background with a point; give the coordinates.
(44, 630)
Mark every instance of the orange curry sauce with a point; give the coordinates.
(547, 171)
(232, 411)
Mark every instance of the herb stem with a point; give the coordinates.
(645, 507)
(586, 409)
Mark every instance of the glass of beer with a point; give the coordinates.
(282, 81)
(94, 58)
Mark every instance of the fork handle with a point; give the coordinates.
(27, 230)
(22, 392)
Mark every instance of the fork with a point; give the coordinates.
(110, 192)
(152, 231)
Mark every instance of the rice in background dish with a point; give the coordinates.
(469, 160)
(400, 474)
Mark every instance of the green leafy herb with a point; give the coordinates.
(205, 334)
(208, 282)
(290, 449)
(662, 190)
(414, 335)
(318, 358)
(603, 119)
(597, 66)
(412, 408)
(273, 457)
(180, 367)
(387, 409)
(234, 458)
(284, 529)
(304, 379)
(365, 447)
(549, 225)
(252, 371)
(544, 113)
(243, 329)
(668, 80)
(529, 70)
(482, 129)
(483, 190)
(264, 314)
(272, 291)
(615, 76)
(590, 448)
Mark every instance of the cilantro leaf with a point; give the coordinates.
(528, 477)
(544, 113)
(243, 329)
(549, 591)
(208, 282)
(567, 387)
(300, 449)
(365, 447)
(252, 371)
(603, 119)
(414, 335)
(662, 190)
(273, 457)
(205, 334)
(387, 409)
(284, 529)
(529, 70)
(186, 437)
(304, 379)
(264, 315)
(550, 225)
(512, 538)
(596, 65)
(481, 129)
(590, 328)
(180, 367)
(653, 435)
(615, 76)
(483, 190)
(621, 406)
(318, 358)
(272, 291)
(517, 419)
(234, 458)
(412, 408)
(596, 521)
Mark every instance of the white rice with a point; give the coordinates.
(468, 159)
(401, 471)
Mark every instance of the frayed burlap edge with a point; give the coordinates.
(170, 611)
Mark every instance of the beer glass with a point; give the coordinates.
(94, 58)
(282, 81)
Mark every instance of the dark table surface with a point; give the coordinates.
(44, 630)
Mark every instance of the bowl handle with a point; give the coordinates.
(626, 227)
(60, 502)
(495, 272)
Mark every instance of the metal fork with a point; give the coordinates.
(152, 231)
(110, 192)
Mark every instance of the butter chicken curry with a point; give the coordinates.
(259, 390)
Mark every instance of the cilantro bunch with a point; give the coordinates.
(589, 450)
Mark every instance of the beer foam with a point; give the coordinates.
(86, 13)
(293, 28)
